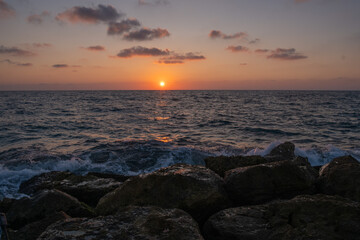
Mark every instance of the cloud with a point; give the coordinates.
(286, 54)
(262, 50)
(38, 18)
(65, 66)
(95, 48)
(254, 41)
(16, 63)
(175, 58)
(144, 34)
(301, 1)
(101, 13)
(237, 49)
(118, 28)
(218, 34)
(6, 10)
(142, 51)
(41, 45)
(16, 52)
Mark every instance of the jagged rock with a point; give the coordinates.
(284, 151)
(117, 177)
(222, 164)
(195, 189)
(260, 183)
(146, 223)
(341, 177)
(44, 204)
(33, 230)
(88, 189)
(317, 217)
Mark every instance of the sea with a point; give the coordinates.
(135, 132)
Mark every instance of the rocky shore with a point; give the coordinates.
(279, 196)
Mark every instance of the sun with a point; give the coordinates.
(162, 84)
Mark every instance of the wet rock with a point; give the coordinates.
(222, 164)
(117, 177)
(5, 204)
(261, 183)
(341, 177)
(304, 217)
(43, 205)
(145, 223)
(88, 189)
(195, 189)
(285, 151)
(33, 230)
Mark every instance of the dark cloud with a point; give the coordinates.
(175, 58)
(16, 52)
(60, 66)
(142, 51)
(101, 13)
(237, 49)
(118, 28)
(218, 34)
(243, 64)
(6, 10)
(144, 34)
(95, 48)
(41, 45)
(262, 50)
(16, 63)
(254, 41)
(153, 2)
(38, 18)
(286, 54)
(301, 1)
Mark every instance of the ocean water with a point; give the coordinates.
(132, 132)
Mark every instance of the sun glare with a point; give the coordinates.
(162, 84)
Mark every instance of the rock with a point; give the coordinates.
(130, 223)
(304, 217)
(222, 164)
(341, 177)
(261, 183)
(285, 151)
(195, 189)
(117, 177)
(45, 204)
(5, 204)
(88, 189)
(33, 230)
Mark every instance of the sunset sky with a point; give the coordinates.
(187, 44)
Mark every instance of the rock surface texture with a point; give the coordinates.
(303, 217)
(195, 189)
(130, 223)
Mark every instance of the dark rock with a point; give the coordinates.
(44, 204)
(130, 223)
(284, 151)
(341, 177)
(88, 189)
(195, 189)
(222, 164)
(33, 230)
(304, 217)
(5, 204)
(117, 177)
(260, 183)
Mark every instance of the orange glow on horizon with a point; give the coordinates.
(162, 84)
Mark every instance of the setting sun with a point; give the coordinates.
(162, 84)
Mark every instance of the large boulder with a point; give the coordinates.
(130, 223)
(222, 164)
(88, 189)
(341, 177)
(195, 189)
(284, 151)
(304, 217)
(261, 183)
(44, 204)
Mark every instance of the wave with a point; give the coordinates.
(131, 158)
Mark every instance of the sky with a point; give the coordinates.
(187, 44)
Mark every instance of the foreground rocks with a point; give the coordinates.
(261, 183)
(341, 177)
(304, 217)
(195, 189)
(44, 204)
(88, 189)
(129, 223)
